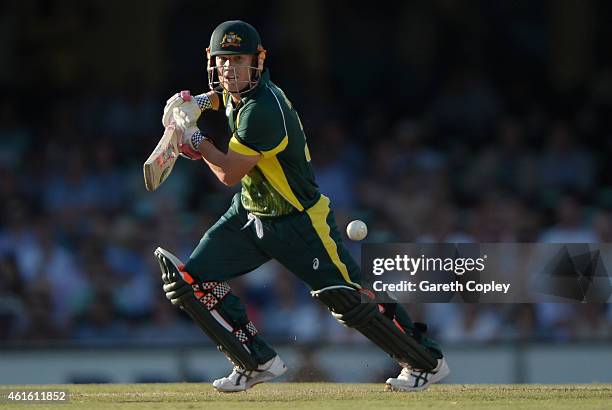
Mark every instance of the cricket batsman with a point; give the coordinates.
(278, 214)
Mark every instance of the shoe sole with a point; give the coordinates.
(391, 387)
(250, 386)
(246, 388)
(238, 391)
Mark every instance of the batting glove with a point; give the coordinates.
(186, 115)
(190, 143)
(191, 107)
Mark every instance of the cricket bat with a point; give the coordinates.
(161, 161)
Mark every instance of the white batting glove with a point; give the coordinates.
(171, 103)
(186, 115)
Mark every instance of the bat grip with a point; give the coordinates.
(186, 95)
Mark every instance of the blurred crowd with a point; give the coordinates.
(471, 159)
(78, 229)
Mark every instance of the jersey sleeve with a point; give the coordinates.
(260, 130)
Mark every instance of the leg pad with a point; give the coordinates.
(200, 300)
(345, 305)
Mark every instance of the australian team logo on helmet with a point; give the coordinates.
(234, 37)
(230, 39)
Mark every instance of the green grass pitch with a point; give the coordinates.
(297, 396)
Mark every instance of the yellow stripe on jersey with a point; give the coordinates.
(318, 216)
(273, 171)
(279, 148)
(271, 168)
(240, 148)
(237, 146)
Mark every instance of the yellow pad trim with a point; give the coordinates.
(237, 146)
(318, 216)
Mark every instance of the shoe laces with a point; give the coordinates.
(238, 372)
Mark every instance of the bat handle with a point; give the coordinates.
(186, 95)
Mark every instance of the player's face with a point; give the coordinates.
(236, 72)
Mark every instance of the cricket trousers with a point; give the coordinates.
(307, 243)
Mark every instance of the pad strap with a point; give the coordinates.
(211, 293)
(245, 333)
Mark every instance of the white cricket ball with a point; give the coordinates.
(357, 230)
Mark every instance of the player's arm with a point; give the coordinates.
(259, 133)
(228, 168)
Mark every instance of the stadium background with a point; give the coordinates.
(444, 120)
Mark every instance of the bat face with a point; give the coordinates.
(166, 156)
(161, 161)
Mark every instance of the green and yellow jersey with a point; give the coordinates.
(265, 122)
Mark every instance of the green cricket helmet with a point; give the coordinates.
(231, 38)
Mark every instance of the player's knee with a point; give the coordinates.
(191, 267)
(179, 283)
(209, 293)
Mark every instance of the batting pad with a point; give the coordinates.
(345, 305)
(200, 301)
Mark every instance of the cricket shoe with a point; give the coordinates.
(240, 379)
(416, 380)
